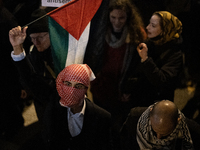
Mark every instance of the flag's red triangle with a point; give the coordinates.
(75, 15)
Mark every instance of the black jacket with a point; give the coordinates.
(34, 76)
(95, 134)
(156, 78)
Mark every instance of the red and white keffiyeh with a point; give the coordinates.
(80, 73)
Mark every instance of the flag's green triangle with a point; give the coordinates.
(59, 38)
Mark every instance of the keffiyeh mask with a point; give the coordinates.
(71, 96)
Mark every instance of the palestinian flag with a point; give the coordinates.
(69, 27)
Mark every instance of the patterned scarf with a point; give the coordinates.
(148, 141)
(71, 96)
(172, 27)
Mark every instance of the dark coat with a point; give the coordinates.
(156, 78)
(9, 81)
(10, 102)
(36, 79)
(95, 134)
(35, 76)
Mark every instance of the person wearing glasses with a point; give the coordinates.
(38, 59)
(71, 120)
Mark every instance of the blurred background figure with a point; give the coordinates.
(22, 10)
(111, 59)
(124, 32)
(161, 61)
(11, 104)
(39, 59)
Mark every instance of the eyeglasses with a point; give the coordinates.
(38, 38)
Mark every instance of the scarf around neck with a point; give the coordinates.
(148, 141)
(115, 42)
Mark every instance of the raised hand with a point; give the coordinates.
(17, 36)
(142, 51)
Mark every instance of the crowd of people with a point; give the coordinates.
(131, 68)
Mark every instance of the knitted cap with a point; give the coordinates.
(40, 25)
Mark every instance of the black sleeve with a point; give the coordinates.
(128, 131)
(33, 82)
(164, 75)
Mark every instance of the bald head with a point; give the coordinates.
(164, 117)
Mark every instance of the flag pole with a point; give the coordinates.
(71, 2)
(35, 20)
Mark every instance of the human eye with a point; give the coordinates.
(153, 25)
(67, 83)
(79, 86)
(112, 17)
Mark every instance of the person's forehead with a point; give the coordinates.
(37, 34)
(155, 18)
(117, 12)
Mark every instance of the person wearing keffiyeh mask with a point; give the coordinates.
(72, 84)
(71, 120)
(162, 127)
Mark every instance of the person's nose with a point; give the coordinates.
(117, 21)
(147, 27)
(36, 41)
